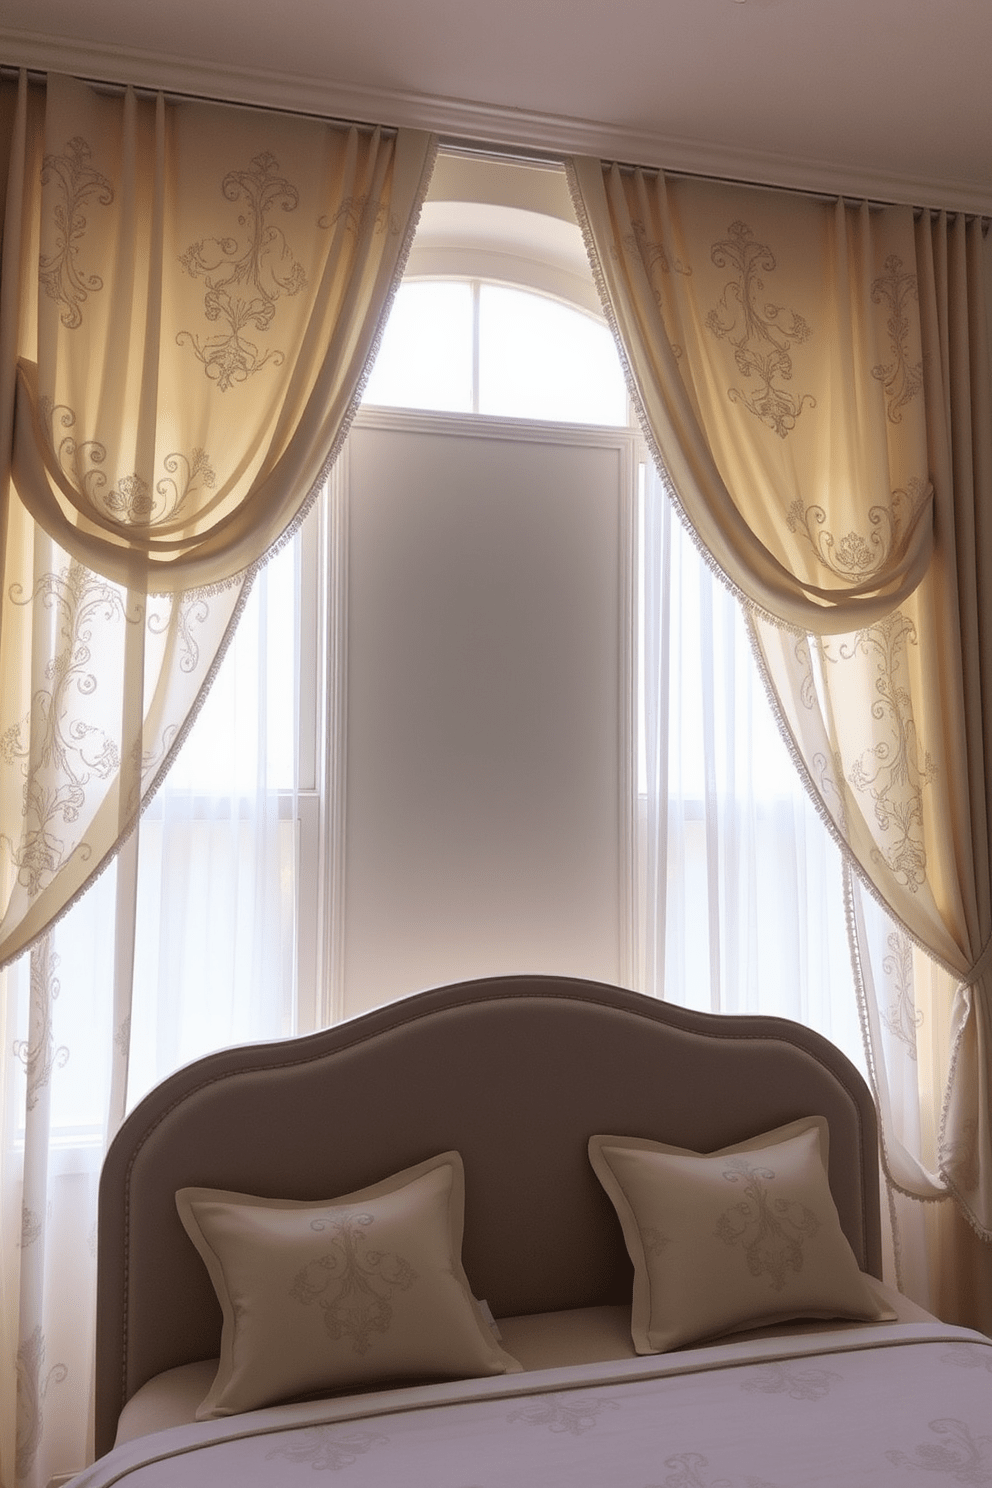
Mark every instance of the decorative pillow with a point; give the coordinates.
(732, 1239)
(350, 1292)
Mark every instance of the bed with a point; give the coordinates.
(545, 1153)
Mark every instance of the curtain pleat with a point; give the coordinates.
(741, 894)
(814, 378)
(775, 359)
(191, 295)
(186, 945)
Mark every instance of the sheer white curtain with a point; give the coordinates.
(816, 381)
(152, 452)
(744, 903)
(216, 910)
(742, 898)
(216, 906)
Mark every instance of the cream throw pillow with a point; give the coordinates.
(354, 1291)
(733, 1239)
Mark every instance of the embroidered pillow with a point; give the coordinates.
(359, 1290)
(732, 1239)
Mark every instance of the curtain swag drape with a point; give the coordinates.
(814, 379)
(190, 295)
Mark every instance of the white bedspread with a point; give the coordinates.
(887, 1407)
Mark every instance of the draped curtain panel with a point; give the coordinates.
(211, 917)
(814, 377)
(190, 295)
(731, 840)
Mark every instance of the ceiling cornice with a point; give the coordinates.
(468, 120)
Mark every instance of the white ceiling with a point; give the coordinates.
(889, 98)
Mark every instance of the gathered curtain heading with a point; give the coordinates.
(814, 378)
(190, 296)
(773, 341)
(207, 287)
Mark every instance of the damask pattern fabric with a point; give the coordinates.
(729, 1240)
(914, 1404)
(191, 294)
(815, 379)
(774, 342)
(227, 270)
(364, 1288)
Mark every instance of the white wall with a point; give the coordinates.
(486, 802)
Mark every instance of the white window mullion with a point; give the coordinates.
(476, 349)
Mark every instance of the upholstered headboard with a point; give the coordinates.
(515, 1073)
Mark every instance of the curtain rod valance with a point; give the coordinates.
(110, 89)
(525, 155)
(830, 198)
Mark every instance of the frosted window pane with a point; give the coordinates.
(540, 359)
(425, 360)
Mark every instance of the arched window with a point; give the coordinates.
(475, 346)
(496, 351)
(490, 490)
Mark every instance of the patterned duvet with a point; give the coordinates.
(892, 1405)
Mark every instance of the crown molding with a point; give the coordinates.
(465, 120)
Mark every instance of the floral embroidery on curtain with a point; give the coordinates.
(893, 771)
(826, 432)
(764, 410)
(38, 1052)
(132, 500)
(245, 279)
(761, 332)
(855, 556)
(62, 742)
(146, 223)
(902, 378)
(189, 296)
(80, 185)
(902, 1017)
(33, 1384)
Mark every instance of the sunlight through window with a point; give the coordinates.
(541, 359)
(467, 346)
(425, 360)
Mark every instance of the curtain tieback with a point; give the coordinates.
(981, 966)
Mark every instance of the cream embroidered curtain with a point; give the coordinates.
(190, 294)
(815, 377)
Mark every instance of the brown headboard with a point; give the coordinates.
(515, 1073)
